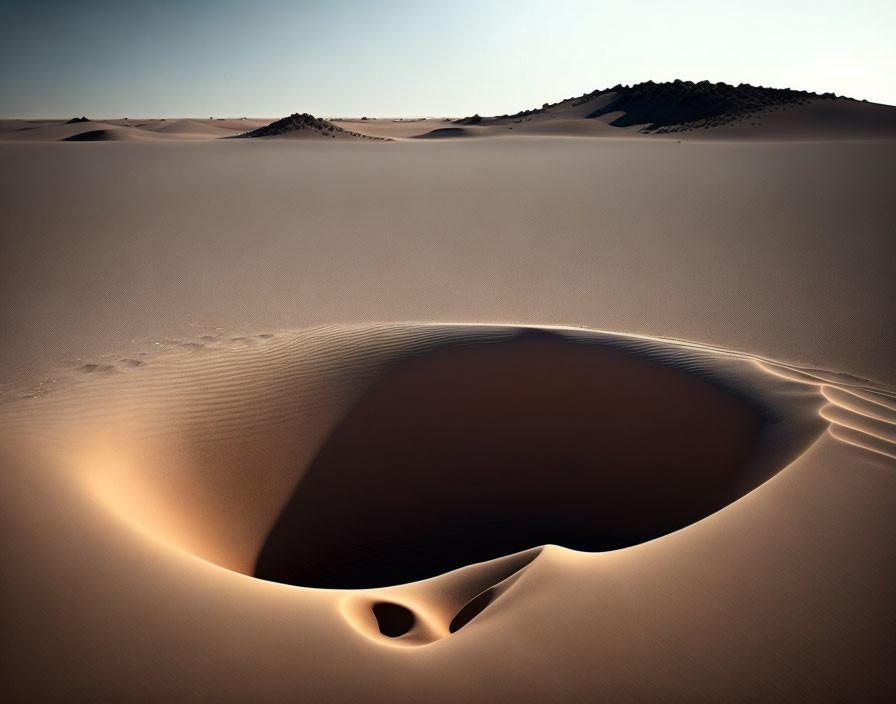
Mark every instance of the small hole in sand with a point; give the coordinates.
(471, 610)
(393, 620)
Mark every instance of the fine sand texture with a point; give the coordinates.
(781, 249)
(530, 416)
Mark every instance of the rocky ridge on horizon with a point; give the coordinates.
(673, 106)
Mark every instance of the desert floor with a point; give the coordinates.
(670, 358)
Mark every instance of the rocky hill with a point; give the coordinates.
(671, 106)
(307, 125)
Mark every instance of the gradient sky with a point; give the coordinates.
(395, 58)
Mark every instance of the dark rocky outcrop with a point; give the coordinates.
(673, 106)
(304, 121)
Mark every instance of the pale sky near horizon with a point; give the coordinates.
(397, 58)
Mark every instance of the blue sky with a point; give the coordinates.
(401, 58)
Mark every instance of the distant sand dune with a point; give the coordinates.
(679, 110)
(112, 134)
(450, 132)
(57, 132)
(122, 130)
(192, 127)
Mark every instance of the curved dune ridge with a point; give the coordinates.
(112, 134)
(192, 127)
(85, 130)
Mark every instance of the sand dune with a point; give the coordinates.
(542, 127)
(453, 132)
(122, 130)
(115, 134)
(240, 124)
(813, 120)
(392, 128)
(682, 110)
(192, 127)
(27, 125)
(56, 132)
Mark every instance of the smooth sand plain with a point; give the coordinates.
(346, 366)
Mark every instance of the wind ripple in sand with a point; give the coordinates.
(856, 413)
